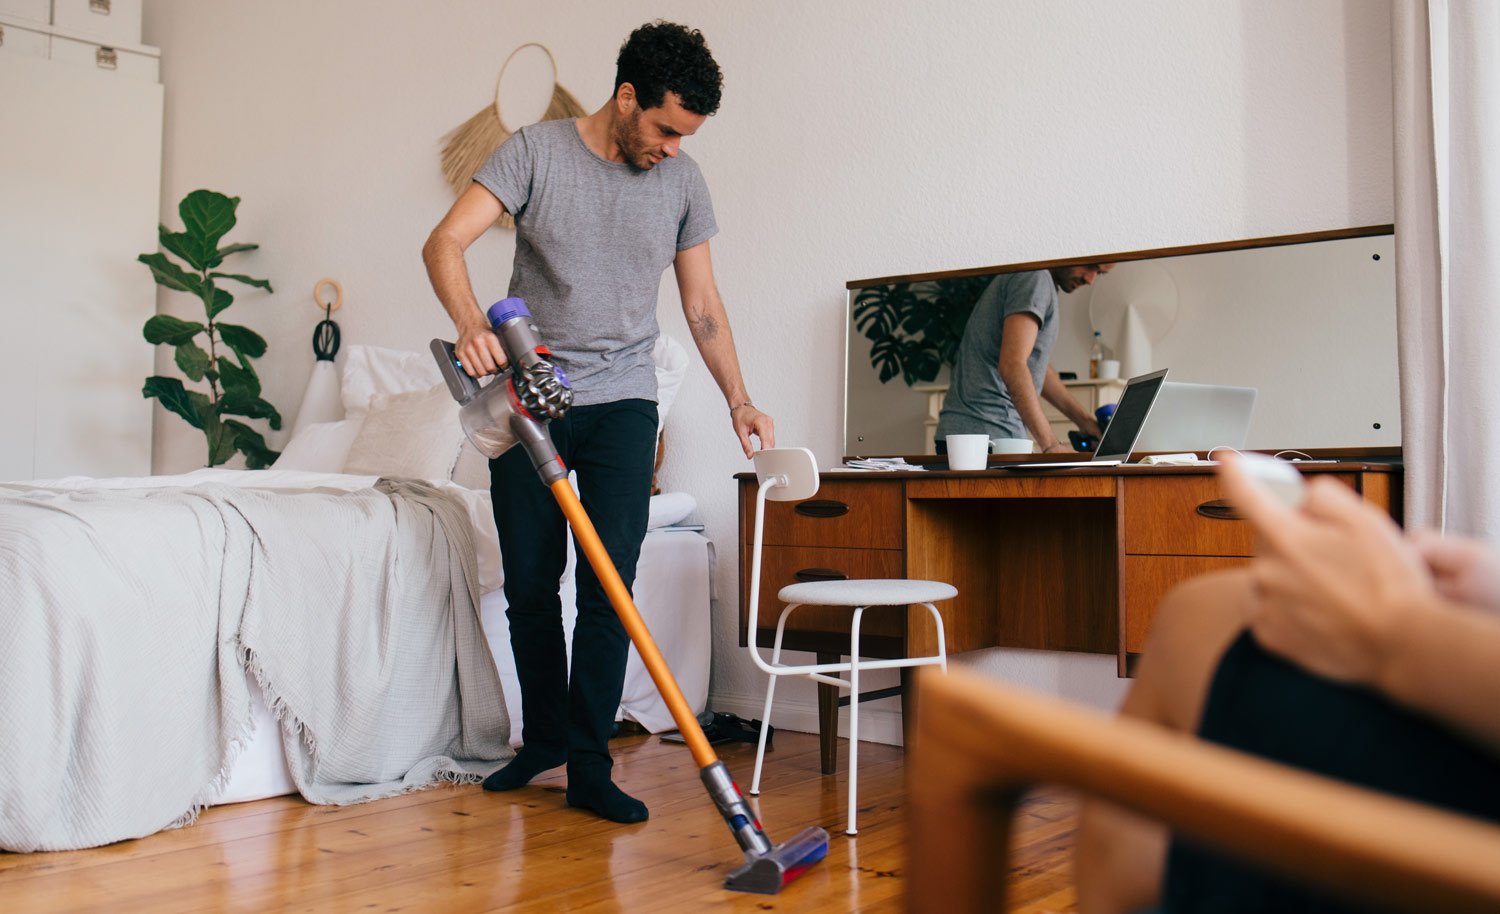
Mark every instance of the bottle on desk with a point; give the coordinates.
(1096, 355)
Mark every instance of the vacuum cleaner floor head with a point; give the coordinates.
(767, 874)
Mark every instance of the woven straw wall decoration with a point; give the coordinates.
(468, 145)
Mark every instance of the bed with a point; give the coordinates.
(332, 626)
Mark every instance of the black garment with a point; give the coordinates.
(612, 446)
(1261, 704)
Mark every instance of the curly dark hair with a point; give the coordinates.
(661, 57)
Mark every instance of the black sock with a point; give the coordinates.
(599, 795)
(528, 763)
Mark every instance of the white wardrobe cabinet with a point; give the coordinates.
(80, 181)
(108, 22)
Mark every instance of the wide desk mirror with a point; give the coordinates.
(1308, 320)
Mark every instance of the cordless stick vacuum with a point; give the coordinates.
(515, 407)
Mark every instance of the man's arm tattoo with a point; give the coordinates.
(704, 327)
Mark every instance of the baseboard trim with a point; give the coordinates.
(879, 722)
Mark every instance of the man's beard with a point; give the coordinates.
(628, 138)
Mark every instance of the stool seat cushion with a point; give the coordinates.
(867, 592)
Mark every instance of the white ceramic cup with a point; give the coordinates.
(1109, 369)
(968, 452)
(1011, 445)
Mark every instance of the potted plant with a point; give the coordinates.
(226, 362)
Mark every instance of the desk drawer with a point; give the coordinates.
(1174, 515)
(1163, 517)
(783, 565)
(1148, 578)
(853, 515)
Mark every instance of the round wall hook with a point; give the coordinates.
(338, 295)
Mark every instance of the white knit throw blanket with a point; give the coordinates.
(128, 619)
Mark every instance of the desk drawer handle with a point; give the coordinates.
(822, 507)
(808, 575)
(1219, 509)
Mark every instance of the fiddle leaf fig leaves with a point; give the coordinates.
(208, 216)
(239, 378)
(174, 397)
(239, 403)
(914, 329)
(242, 340)
(221, 442)
(233, 385)
(192, 360)
(164, 328)
(252, 445)
(184, 245)
(228, 249)
(247, 280)
(217, 301)
(171, 275)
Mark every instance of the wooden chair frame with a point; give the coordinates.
(979, 745)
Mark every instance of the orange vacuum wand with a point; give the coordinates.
(767, 867)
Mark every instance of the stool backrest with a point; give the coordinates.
(785, 474)
(796, 465)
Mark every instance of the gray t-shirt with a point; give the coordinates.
(978, 402)
(592, 240)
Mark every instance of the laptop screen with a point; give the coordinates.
(1130, 416)
(1198, 417)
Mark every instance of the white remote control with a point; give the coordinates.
(1279, 477)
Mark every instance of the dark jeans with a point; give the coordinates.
(612, 446)
(1261, 704)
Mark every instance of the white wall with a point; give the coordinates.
(856, 139)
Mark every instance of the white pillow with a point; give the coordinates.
(415, 435)
(671, 367)
(370, 371)
(321, 447)
(669, 508)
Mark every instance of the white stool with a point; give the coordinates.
(791, 474)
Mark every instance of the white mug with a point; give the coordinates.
(968, 452)
(1109, 369)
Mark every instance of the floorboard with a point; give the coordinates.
(459, 849)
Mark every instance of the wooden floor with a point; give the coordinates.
(460, 849)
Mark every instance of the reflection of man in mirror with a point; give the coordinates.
(1003, 369)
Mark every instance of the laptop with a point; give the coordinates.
(1198, 417)
(1124, 427)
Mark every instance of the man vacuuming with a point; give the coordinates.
(602, 204)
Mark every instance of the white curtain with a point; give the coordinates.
(1446, 58)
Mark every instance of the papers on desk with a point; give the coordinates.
(882, 464)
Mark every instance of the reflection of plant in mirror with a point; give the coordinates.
(914, 328)
(234, 387)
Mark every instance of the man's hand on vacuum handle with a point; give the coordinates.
(479, 349)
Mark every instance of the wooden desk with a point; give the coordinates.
(1062, 560)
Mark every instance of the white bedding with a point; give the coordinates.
(486, 544)
(133, 613)
(672, 591)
